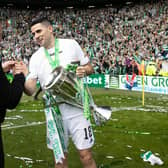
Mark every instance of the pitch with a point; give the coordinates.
(132, 130)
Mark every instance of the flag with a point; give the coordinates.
(131, 83)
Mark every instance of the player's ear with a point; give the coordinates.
(50, 28)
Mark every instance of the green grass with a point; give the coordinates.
(132, 130)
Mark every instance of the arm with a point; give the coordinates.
(30, 86)
(83, 70)
(88, 69)
(15, 90)
(85, 67)
(10, 94)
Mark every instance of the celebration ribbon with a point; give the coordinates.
(82, 92)
(55, 127)
(53, 62)
(85, 100)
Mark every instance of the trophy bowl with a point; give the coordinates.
(64, 85)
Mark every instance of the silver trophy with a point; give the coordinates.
(64, 86)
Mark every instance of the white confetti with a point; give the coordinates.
(129, 158)
(110, 157)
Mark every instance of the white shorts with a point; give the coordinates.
(80, 131)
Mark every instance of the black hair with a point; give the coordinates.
(43, 20)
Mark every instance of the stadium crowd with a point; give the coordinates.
(115, 39)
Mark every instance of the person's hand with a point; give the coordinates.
(8, 65)
(80, 71)
(20, 67)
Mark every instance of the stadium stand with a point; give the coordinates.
(113, 37)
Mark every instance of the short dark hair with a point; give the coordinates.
(37, 20)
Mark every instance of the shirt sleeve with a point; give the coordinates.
(32, 68)
(80, 54)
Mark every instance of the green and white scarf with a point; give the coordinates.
(55, 127)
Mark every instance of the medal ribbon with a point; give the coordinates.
(53, 62)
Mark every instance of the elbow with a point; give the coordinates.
(28, 93)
